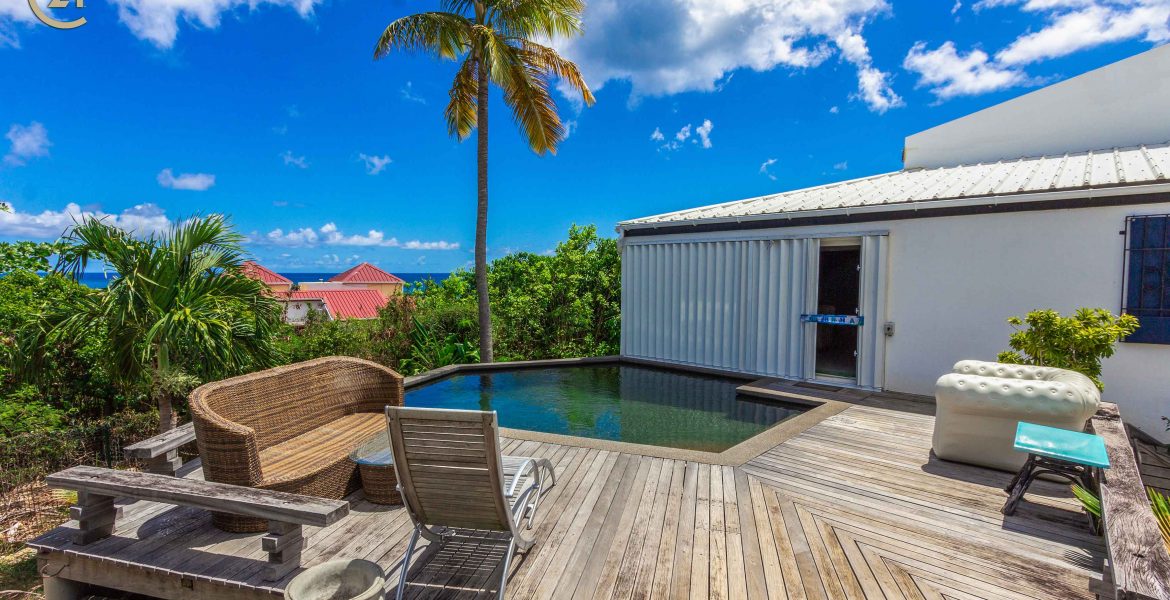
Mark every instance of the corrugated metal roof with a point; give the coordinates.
(365, 273)
(1084, 170)
(265, 275)
(344, 304)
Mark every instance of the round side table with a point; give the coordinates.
(375, 461)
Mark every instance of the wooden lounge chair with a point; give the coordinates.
(454, 481)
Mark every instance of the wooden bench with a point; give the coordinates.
(1139, 565)
(97, 488)
(161, 452)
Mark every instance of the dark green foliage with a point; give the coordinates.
(68, 376)
(430, 352)
(1078, 342)
(23, 411)
(565, 304)
(29, 256)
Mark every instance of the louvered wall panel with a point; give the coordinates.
(732, 305)
(871, 341)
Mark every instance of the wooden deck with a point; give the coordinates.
(854, 507)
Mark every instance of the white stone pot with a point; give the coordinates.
(339, 580)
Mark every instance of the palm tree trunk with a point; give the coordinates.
(481, 214)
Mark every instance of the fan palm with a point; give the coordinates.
(493, 39)
(178, 308)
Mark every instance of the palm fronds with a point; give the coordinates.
(177, 304)
(443, 34)
(498, 40)
(1089, 500)
(1161, 505)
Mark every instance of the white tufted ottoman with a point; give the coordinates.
(980, 403)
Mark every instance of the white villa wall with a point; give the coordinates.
(953, 282)
(296, 312)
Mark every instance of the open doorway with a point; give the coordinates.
(838, 293)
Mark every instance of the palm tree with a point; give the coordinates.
(177, 310)
(494, 41)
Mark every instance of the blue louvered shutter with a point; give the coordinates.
(1147, 277)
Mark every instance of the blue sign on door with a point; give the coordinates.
(848, 320)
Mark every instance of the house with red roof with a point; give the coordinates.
(275, 281)
(336, 303)
(355, 294)
(366, 275)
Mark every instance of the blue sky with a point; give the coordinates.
(273, 111)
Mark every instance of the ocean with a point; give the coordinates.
(98, 280)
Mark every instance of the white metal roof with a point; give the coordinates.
(1112, 168)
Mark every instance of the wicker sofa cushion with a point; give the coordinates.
(305, 454)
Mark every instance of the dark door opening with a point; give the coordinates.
(838, 293)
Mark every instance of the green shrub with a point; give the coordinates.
(1078, 342)
(23, 411)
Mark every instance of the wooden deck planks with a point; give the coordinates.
(854, 507)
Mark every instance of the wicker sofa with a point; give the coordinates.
(980, 403)
(291, 428)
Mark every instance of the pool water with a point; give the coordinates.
(625, 403)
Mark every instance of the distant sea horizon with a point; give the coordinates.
(99, 280)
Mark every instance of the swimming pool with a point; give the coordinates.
(626, 403)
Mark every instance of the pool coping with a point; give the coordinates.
(822, 408)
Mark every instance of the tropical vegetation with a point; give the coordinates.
(495, 42)
(1078, 342)
(177, 310)
(177, 313)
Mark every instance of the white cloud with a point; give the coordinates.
(50, 224)
(1091, 25)
(14, 13)
(949, 74)
(157, 21)
(665, 47)
(407, 93)
(704, 132)
(1070, 26)
(374, 164)
(841, 166)
(185, 181)
(439, 245)
(834, 110)
(764, 169)
(958, 5)
(26, 141)
(330, 234)
(873, 85)
(294, 160)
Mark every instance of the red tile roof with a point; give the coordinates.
(365, 273)
(265, 275)
(344, 304)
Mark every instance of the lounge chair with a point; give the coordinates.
(453, 480)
